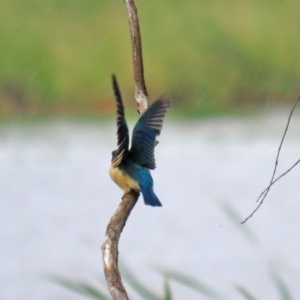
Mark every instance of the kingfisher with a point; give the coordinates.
(130, 168)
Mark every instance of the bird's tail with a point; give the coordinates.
(149, 197)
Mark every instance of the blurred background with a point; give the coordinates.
(232, 69)
(211, 56)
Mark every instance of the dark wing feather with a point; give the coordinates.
(145, 132)
(122, 129)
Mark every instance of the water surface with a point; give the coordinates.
(56, 199)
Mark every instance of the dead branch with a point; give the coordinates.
(118, 220)
(141, 93)
(273, 180)
(110, 246)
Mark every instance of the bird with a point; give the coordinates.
(130, 168)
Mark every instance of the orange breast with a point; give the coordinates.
(125, 182)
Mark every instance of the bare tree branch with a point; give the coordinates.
(110, 246)
(265, 192)
(141, 93)
(118, 220)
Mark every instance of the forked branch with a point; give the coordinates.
(273, 180)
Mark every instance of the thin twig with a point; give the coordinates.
(265, 192)
(141, 93)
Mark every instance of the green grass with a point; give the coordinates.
(100, 291)
(211, 56)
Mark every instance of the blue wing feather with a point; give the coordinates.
(145, 132)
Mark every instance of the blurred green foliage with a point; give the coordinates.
(211, 56)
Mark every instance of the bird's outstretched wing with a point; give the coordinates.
(145, 132)
(122, 129)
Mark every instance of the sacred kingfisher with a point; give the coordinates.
(130, 167)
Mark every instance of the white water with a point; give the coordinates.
(56, 198)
